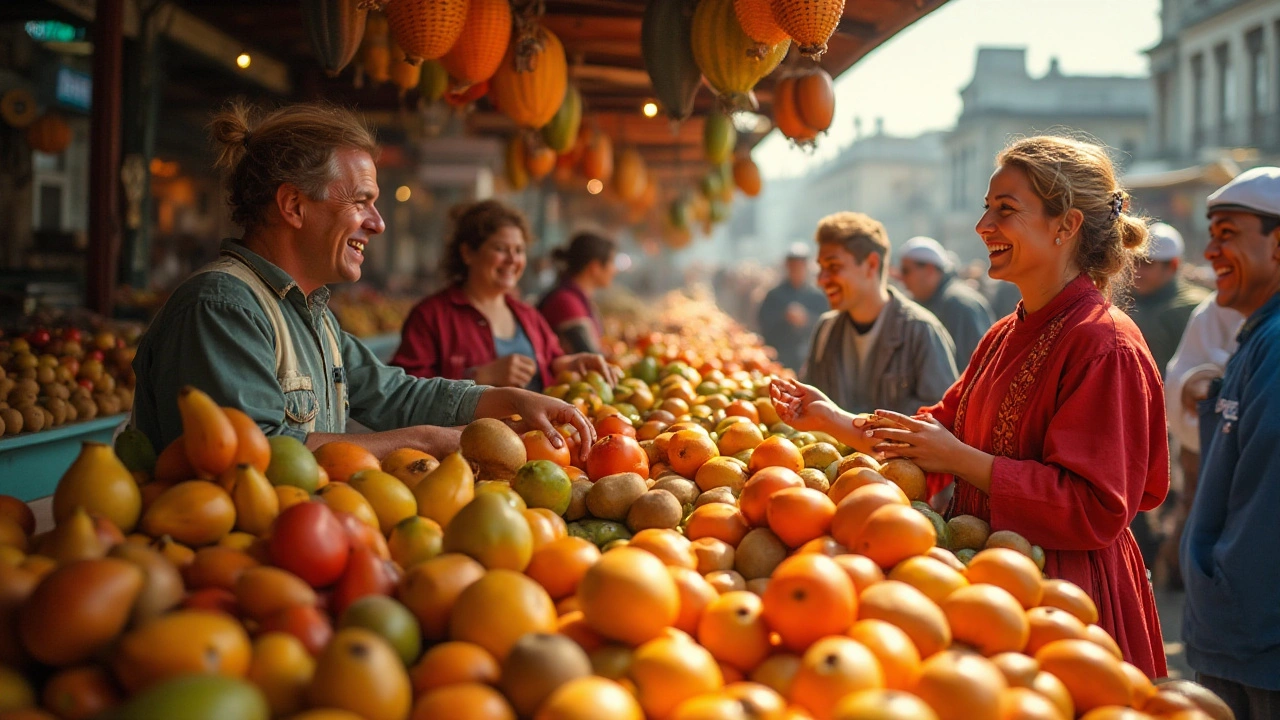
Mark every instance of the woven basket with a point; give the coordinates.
(484, 39)
(756, 18)
(809, 22)
(426, 29)
(721, 50)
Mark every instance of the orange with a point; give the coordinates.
(179, 643)
(862, 570)
(19, 512)
(894, 533)
(282, 668)
(855, 478)
(695, 594)
(1113, 712)
(1103, 639)
(545, 525)
(825, 545)
(538, 447)
(711, 554)
(721, 521)
(499, 608)
(760, 487)
(590, 698)
(463, 701)
(908, 608)
(882, 705)
(1023, 704)
(1051, 687)
(733, 629)
(986, 618)
(809, 597)
(1010, 570)
(614, 424)
(1019, 670)
(855, 507)
(452, 663)
(614, 454)
(722, 471)
(629, 596)
(1092, 675)
(288, 496)
(1068, 596)
(650, 430)
(342, 459)
(830, 669)
(961, 686)
(776, 451)
(574, 626)
(79, 693)
(934, 578)
(798, 515)
(777, 672)
(669, 546)
(1048, 624)
(738, 437)
(667, 671)
(559, 565)
(899, 659)
(946, 557)
(743, 408)
(1141, 685)
(430, 590)
(688, 450)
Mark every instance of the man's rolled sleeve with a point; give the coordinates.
(386, 398)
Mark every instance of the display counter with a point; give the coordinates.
(31, 464)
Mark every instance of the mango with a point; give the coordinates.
(196, 697)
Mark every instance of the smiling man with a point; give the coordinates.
(876, 349)
(1230, 551)
(253, 329)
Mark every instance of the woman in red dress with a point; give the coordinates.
(1057, 429)
(587, 265)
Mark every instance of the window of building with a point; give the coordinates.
(1163, 111)
(1258, 83)
(1197, 100)
(1227, 91)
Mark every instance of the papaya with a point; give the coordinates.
(443, 492)
(360, 672)
(78, 609)
(74, 538)
(181, 643)
(196, 697)
(195, 513)
(256, 503)
(102, 485)
(208, 435)
(490, 530)
(162, 587)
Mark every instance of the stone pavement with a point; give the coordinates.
(1169, 604)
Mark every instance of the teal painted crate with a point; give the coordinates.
(30, 465)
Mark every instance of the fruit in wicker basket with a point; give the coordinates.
(809, 22)
(480, 47)
(426, 29)
(721, 50)
(530, 83)
(756, 18)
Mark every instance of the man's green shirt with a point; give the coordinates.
(213, 334)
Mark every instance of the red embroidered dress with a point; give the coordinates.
(1069, 401)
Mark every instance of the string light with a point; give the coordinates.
(403, 193)
(594, 186)
(243, 61)
(650, 109)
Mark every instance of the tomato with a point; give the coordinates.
(213, 599)
(614, 425)
(616, 454)
(39, 337)
(72, 334)
(305, 622)
(308, 541)
(366, 574)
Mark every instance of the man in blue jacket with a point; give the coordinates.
(1231, 544)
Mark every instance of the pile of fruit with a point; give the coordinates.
(365, 312)
(52, 377)
(708, 565)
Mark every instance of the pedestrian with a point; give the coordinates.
(587, 265)
(791, 309)
(1230, 551)
(930, 277)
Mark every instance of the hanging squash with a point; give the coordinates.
(375, 49)
(478, 51)
(597, 160)
(725, 170)
(426, 29)
(404, 75)
(335, 28)
(463, 98)
(675, 231)
(50, 134)
(746, 175)
(516, 174)
(815, 99)
(648, 197)
(785, 115)
(809, 22)
(719, 136)
(756, 18)
(539, 160)
(434, 81)
(666, 45)
(720, 48)
(718, 211)
(712, 185)
(630, 174)
(562, 130)
(532, 95)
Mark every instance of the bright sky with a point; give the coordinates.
(914, 80)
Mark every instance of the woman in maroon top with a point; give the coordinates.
(586, 266)
(476, 329)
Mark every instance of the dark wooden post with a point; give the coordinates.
(104, 157)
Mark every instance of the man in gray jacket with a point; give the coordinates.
(929, 275)
(876, 349)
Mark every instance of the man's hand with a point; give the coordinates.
(1196, 388)
(510, 371)
(537, 412)
(438, 441)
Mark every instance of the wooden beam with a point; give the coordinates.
(856, 28)
(103, 258)
(616, 76)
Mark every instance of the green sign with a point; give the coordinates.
(54, 31)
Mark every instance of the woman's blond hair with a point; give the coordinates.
(295, 144)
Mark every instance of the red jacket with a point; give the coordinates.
(445, 336)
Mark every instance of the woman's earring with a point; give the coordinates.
(1057, 241)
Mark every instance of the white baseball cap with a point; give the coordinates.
(1164, 243)
(926, 250)
(1256, 191)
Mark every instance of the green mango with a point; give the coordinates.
(719, 137)
(561, 133)
(136, 451)
(195, 697)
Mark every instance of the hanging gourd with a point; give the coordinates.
(629, 175)
(711, 185)
(404, 75)
(597, 160)
(375, 50)
(335, 28)
(426, 29)
(725, 170)
(648, 197)
(50, 134)
(720, 48)
(746, 175)
(815, 99)
(785, 115)
(718, 211)
(809, 22)
(666, 44)
(539, 160)
(756, 18)
(675, 232)
(479, 50)
(463, 98)
(719, 137)
(516, 174)
(530, 84)
(434, 81)
(561, 131)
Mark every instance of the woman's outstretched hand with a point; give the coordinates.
(931, 446)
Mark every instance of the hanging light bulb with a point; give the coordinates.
(594, 186)
(243, 61)
(650, 109)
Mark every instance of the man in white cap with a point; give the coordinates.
(791, 309)
(929, 275)
(1162, 299)
(1231, 544)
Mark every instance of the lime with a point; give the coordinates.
(543, 484)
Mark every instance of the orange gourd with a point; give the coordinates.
(630, 175)
(426, 29)
(597, 160)
(516, 174)
(404, 74)
(480, 48)
(375, 49)
(815, 99)
(746, 176)
(539, 160)
(721, 49)
(785, 115)
(756, 18)
(809, 22)
(530, 84)
(49, 134)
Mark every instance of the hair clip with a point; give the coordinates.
(1117, 204)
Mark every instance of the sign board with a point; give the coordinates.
(73, 88)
